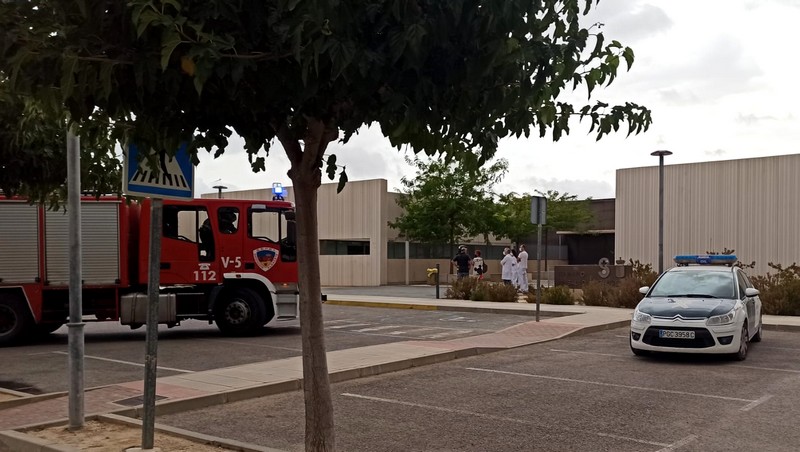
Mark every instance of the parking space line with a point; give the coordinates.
(772, 369)
(678, 444)
(130, 363)
(756, 403)
(337, 327)
(613, 385)
(503, 419)
(585, 353)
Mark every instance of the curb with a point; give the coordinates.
(19, 441)
(427, 307)
(779, 327)
(24, 398)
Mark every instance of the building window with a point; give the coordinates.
(344, 247)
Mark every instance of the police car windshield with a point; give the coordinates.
(695, 284)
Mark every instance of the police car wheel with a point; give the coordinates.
(759, 333)
(741, 355)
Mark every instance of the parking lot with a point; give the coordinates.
(587, 393)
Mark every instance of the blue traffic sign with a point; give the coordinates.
(173, 179)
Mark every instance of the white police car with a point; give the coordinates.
(704, 305)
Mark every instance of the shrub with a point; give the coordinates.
(502, 293)
(626, 293)
(780, 292)
(481, 291)
(553, 295)
(597, 293)
(462, 289)
(643, 273)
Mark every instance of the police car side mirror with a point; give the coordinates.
(750, 292)
(643, 290)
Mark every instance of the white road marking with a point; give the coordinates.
(376, 328)
(771, 369)
(537, 423)
(349, 325)
(778, 348)
(584, 353)
(756, 403)
(678, 444)
(613, 385)
(622, 336)
(118, 361)
(338, 321)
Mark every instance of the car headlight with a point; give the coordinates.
(723, 319)
(639, 316)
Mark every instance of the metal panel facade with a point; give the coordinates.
(99, 243)
(751, 206)
(19, 244)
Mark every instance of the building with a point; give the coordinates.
(751, 206)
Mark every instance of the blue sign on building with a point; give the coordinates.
(173, 179)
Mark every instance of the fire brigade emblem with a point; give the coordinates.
(265, 257)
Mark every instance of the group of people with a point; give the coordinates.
(514, 266)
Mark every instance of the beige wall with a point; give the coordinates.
(751, 206)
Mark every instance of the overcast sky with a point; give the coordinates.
(719, 76)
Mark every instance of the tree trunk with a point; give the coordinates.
(316, 384)
(306, 177)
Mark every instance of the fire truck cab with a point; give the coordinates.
(232, 262)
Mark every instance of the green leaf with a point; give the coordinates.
(169, 41)
(342, 181)
(331, 167)
(628, 55)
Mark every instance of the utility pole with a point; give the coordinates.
(661, 155)
(75, 324)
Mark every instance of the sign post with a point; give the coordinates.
(173, 179)
(75, 325)
(538, 217)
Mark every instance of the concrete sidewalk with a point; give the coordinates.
(218, 386)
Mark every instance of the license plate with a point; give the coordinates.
(672, 334)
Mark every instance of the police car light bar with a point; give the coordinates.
(706, 259)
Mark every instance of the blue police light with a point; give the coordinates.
(277, 191)
(706, 259)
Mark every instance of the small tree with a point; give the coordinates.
(565, 212)
(447, 202)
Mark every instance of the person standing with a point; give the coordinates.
(478, 264)
(463, 262)
(522, 269)
(515, 268)
(507, 265)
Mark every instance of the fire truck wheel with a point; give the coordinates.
(15, 321)
(239, 311)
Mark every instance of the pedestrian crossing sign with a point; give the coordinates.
(173, 178)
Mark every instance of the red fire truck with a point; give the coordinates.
(232, 262)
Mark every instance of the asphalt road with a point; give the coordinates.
(115, 354)
(587, 393)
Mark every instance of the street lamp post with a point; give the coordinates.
(219, 190)
(661, 155)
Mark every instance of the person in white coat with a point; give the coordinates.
(507, 264)
(522, 269)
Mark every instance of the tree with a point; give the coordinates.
(513, 213)
(447, 202)
(439, 76)
(33, 152)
